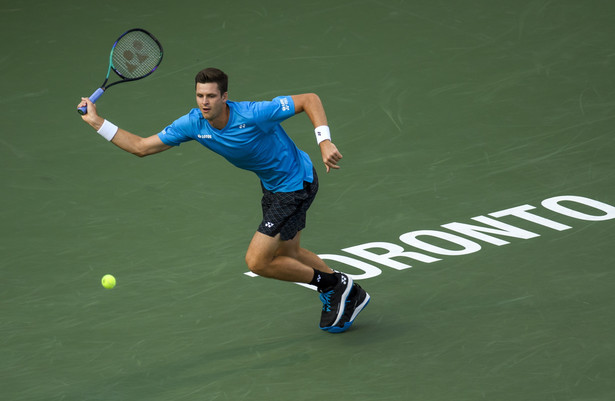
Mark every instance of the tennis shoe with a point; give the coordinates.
(334, 302)
(357, 300)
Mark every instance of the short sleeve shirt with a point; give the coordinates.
(253, 139)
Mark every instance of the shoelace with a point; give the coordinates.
(325, 297)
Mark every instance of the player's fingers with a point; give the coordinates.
(85, 102)
(334, 158)
(331, 165)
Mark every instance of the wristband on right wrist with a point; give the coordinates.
(108, 130)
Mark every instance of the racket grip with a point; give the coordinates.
(93, 98)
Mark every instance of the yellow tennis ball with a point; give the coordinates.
(108, 281)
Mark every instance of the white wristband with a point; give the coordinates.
(108, 130)
(322, 133)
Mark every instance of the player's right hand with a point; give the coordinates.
(91, 117)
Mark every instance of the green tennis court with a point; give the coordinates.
(475, 203)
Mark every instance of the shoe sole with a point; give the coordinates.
(347, 325)
(340, 313)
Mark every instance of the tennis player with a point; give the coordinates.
(249, 135)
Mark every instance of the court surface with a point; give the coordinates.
(444, 111)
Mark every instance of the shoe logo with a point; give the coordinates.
(344, 281)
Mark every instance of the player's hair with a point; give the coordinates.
(212, 75)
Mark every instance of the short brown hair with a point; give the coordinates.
(212, 75)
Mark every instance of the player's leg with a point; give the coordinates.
(275, 251)
(263, 258)
(293, 249)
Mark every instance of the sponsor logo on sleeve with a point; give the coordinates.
(284, 103)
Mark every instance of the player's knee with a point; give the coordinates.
(256, 263)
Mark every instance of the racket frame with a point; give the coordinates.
(99, 92)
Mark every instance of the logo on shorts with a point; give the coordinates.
(268, 224)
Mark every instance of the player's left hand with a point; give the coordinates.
(330, 155)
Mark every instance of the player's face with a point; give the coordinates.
(210, 101)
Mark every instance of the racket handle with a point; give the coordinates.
(93, 98)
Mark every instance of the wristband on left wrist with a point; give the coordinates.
(322, 133)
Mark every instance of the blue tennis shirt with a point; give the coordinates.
(253, 139)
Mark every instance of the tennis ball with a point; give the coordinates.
(108, 281)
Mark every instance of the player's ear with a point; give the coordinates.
(225, 96)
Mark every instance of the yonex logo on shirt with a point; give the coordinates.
(284, 103)
(204, 136)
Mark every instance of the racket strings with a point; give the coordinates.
(136, 55)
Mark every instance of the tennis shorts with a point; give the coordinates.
(284, 212)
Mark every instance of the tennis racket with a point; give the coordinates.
(134, 55)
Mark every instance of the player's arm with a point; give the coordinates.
(310, 104)
(123, 139)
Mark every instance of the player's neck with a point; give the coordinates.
(220, 121)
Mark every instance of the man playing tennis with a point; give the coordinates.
(249, 135)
